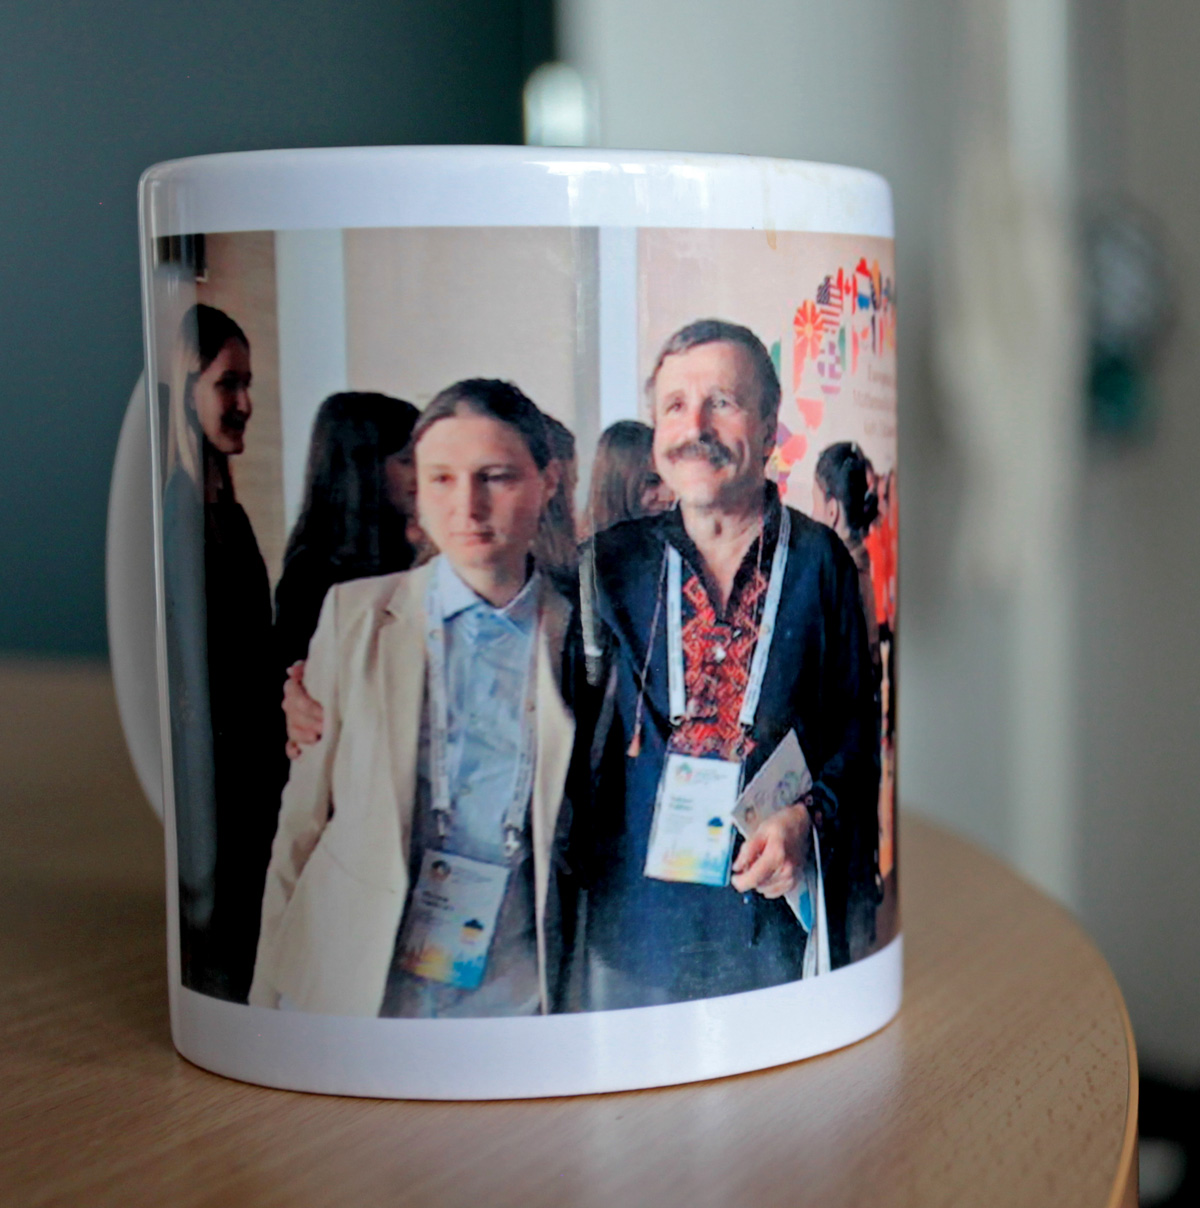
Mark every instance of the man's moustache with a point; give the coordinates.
(711, 451)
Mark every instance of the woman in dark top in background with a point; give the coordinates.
(844, 497)
(226, 728)
(625, 486)
(358, 500)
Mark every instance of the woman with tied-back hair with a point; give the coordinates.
(441, 759)
(625, 484)
(359, 495)
(844, 497)
(226, 729)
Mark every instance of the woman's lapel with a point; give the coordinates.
(555, 734)
(402, 693)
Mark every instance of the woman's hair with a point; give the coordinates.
(205, 330)
(496, 400)
(845, 473)
(561, 438)
(557, 544)
(346, 515)
(624, 458)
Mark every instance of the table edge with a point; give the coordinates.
(1124, 1192)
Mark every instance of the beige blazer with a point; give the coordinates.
(338, 877)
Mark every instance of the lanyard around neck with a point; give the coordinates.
(439, 729)
(677, 689)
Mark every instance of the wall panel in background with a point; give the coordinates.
(91, 95)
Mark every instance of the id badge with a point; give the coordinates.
(451, 919)
(691, 837)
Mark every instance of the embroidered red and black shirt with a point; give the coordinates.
(717, 652)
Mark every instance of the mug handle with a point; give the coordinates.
(130, 587)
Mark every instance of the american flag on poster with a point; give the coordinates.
(829, 301)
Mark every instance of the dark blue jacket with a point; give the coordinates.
(689, 941)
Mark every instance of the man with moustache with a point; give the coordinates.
(683, 602)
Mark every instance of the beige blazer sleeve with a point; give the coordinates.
(306, 800)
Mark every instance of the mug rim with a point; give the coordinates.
(507, 153)
(468, 185)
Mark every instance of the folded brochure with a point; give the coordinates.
(780, 783)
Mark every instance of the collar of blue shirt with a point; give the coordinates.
(456, 597)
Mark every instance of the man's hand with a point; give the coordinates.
(305, 717)
(773, 858)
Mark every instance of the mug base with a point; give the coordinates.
(544, 1056)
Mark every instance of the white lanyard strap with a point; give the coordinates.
(439, 728)
(766, 630)
(675, 685)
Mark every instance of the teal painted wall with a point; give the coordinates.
(90, 94)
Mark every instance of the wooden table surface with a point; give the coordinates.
(1008, 1078)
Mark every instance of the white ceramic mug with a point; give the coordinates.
(743, 311)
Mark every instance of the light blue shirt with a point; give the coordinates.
(488, 654)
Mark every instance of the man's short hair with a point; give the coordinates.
(714, 331)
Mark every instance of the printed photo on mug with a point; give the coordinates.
(530, 613)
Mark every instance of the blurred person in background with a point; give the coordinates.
(359, 497)
(557, 541)
(844, 498)
(625, 486)
(880, 543)
(227, 739)
(625, 483)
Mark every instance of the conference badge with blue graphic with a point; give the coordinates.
(692, 835)
(448, 928)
